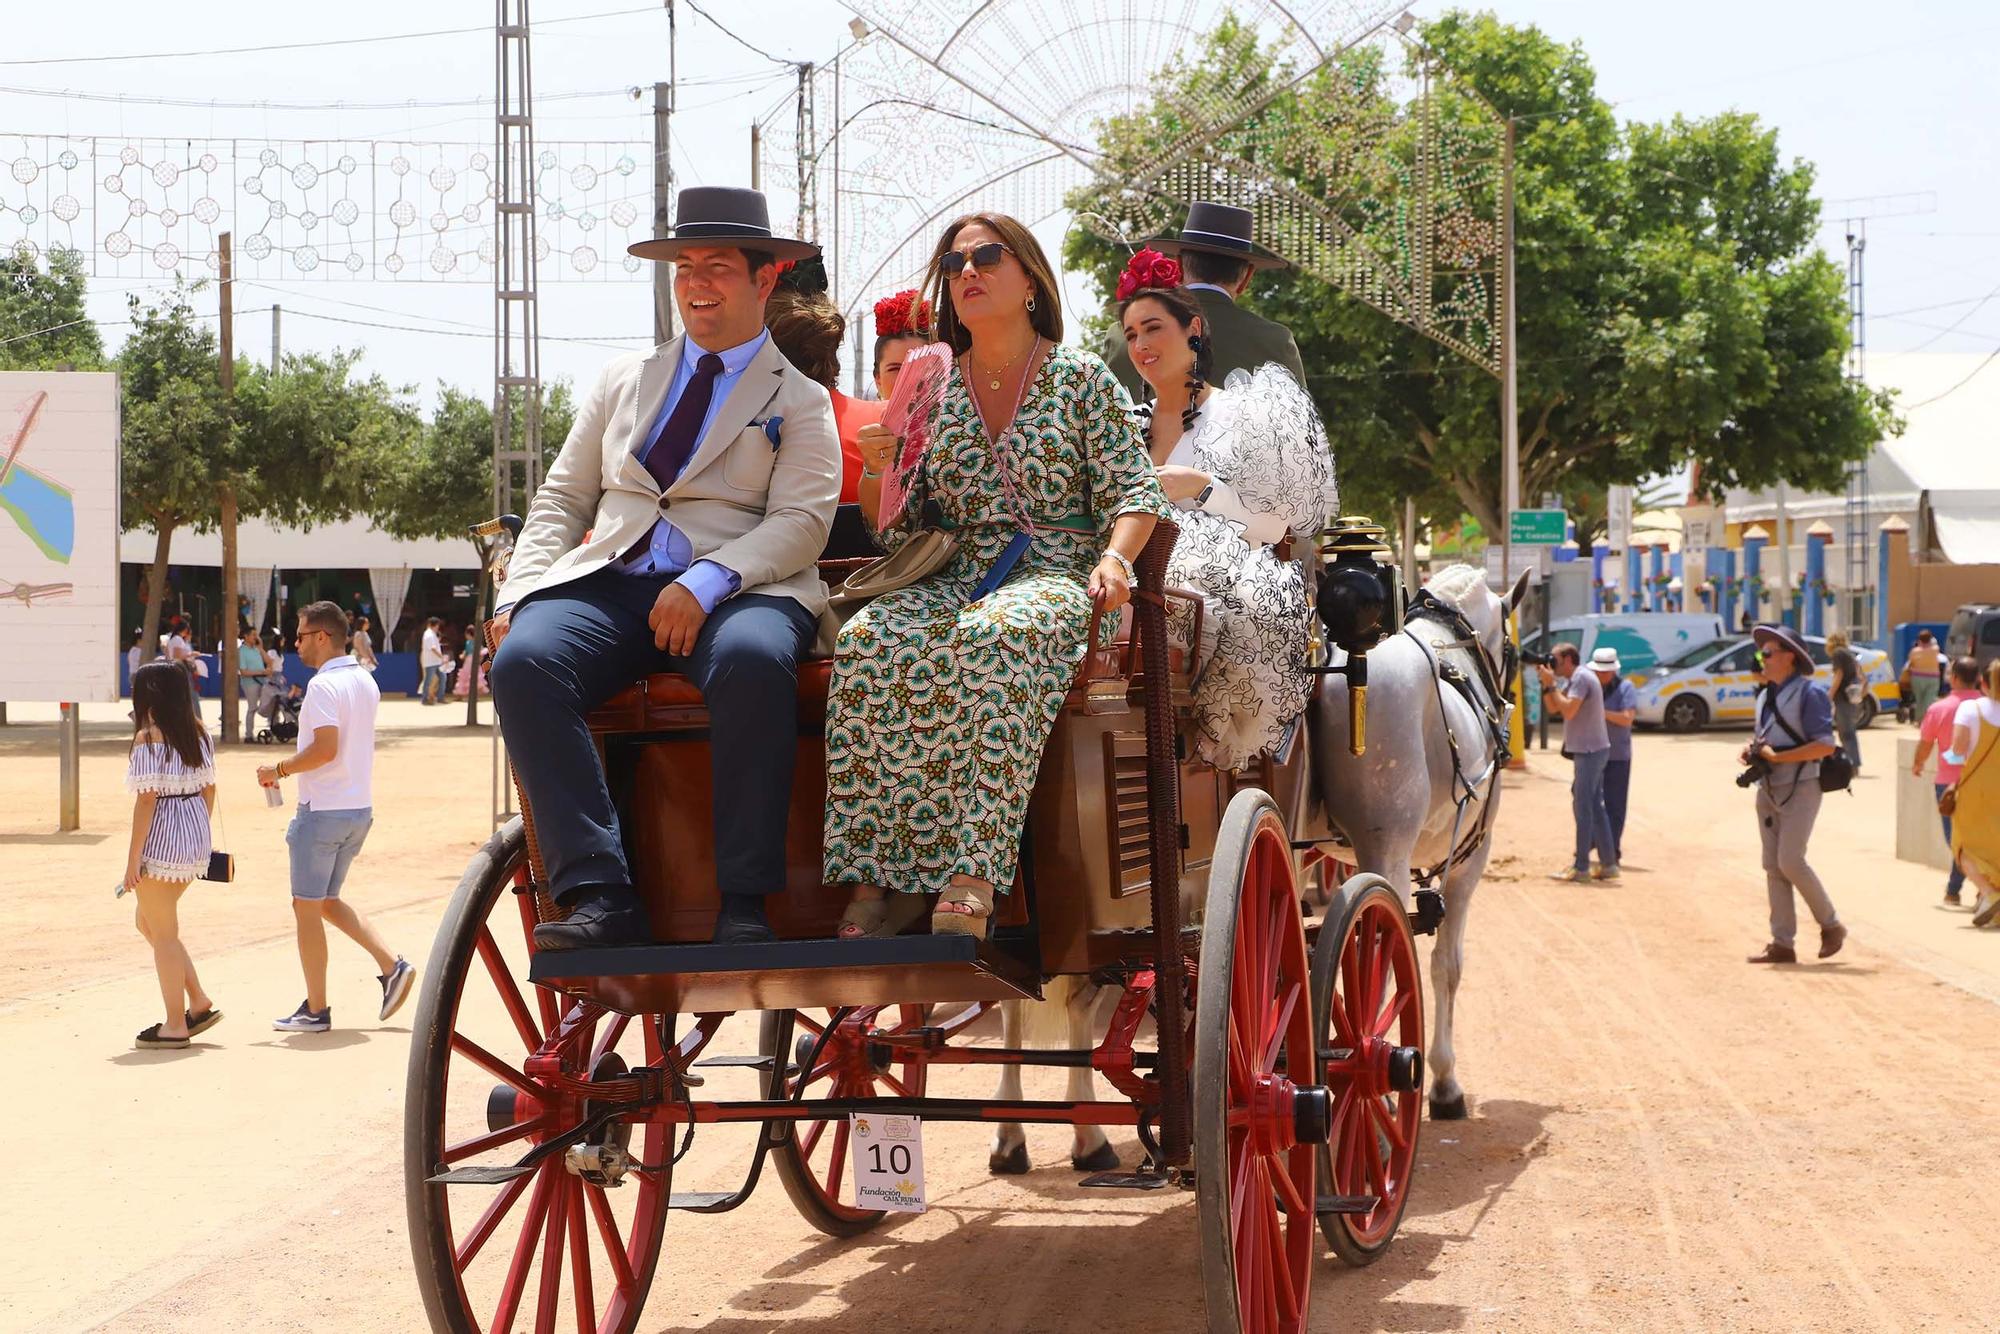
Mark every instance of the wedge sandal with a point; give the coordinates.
(877, 919)
(962, 910)
(149, 1039)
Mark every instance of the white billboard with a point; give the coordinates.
(59, 536)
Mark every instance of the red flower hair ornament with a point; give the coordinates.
(904, 313)
(1148, 268)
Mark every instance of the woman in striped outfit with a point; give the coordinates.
(172, 774)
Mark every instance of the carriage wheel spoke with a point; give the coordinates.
(493, 1065)
(552, 1258)
(1280, 1028)
(1391, 1012)
(838, 1162)
(1239, 1184)
(898, 1086)
(811, 1141)
(581, 1294)
(545, 1000)
(1378, 963)
(494, 1139)
(607, 1231)
(1281, 1269)
(613, 1031)
(1289, 1189)
(1240, 1078)
(510, 992)
(524, 1251)
(1380, 1115)
(1267, 976)
(496, 1213)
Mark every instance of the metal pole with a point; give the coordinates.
(1410, 543)
(226, 499)
(69, 744)
(1784, 537)
(1543, 599)
(833, 254)
(756, 156)
(1510, 408)
(277, 314)
(663, 274)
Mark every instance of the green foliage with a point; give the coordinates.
(177, 428)
(439, 482)
(43, 324)
(313, 437)
(1673, 307)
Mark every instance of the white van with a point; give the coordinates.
(1642, 638)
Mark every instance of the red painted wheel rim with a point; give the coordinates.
(1377, 1005)
(845, 1069)
(576, 1254)
(1270, 1175)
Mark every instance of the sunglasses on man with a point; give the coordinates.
(985, 257)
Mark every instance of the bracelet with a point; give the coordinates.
(279, 769)
(1131, 574)
(872, 476)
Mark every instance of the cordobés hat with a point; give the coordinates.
(722, 215)
(1218, 229)
(1788, 638)
(1605, 660)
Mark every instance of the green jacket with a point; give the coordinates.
(1242, 341)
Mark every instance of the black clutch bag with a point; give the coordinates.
(221, 867)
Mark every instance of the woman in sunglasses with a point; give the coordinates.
(944, 692)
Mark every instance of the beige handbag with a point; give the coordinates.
(928, 551)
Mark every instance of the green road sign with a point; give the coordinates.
(1537, 528)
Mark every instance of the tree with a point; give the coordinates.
(177, 431)
(1673, 307)
(439, 482)
(43, 323)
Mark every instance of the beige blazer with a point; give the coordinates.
(759, 511)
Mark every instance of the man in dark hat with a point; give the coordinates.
(1794, 733)
(677, 531)
(1218, 259)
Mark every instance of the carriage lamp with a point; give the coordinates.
(1360, 604)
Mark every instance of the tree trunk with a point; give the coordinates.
(156, 592)
(225, 495)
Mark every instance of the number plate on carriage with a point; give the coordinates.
(888, 1162)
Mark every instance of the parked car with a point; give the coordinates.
(1642, 638)
(1974, 630)
(1717, 683)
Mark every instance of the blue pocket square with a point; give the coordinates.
(771, 425)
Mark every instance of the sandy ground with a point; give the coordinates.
(1662, 1137)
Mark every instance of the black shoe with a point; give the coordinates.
(741, 922)
(604, 918)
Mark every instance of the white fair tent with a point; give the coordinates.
(348, 545)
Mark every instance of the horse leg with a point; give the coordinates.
(1009, 1156)
(1091, 1151)
(1447, 965)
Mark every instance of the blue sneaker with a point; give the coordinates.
(303, 1020)
(396, 987)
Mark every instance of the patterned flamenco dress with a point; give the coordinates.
(1261, 440)
(940, 705)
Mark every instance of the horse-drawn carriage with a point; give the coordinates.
(1268, 1063)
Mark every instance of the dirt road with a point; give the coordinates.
(1662, 1137)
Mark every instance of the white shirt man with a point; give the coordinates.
(430, 657)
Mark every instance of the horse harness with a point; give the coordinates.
(1494, 681)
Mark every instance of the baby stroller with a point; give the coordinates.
(281, 723)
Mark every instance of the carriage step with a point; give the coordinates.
(1345, 1204)
(1125, 1181)
(699, 1199)
(480, 1176)
(763, 1063)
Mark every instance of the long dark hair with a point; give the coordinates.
(163, 699)
(1186, 309)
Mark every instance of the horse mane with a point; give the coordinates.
(1455, 583)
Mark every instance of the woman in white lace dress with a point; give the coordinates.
(1246, 464)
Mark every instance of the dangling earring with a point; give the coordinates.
(1031, 303)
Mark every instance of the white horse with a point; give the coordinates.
(1067, 1013)
(1425, 793)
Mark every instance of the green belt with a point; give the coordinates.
(1069, 523)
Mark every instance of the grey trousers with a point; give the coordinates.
(1786, 824)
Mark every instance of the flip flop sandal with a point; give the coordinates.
(878, 919)
(201, 1023)
(149, 1039)
(962, 911)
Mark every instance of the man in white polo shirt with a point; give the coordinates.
(335, 768)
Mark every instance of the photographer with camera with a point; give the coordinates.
(1794, 735)
(1587, 745)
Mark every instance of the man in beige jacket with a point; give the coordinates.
(676, 531)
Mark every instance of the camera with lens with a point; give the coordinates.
(1756, 772)
(1537, 659)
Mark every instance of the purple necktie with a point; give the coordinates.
(682, 432)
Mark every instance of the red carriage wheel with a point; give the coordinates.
(556, 1248)
(1368, 1004)
(811, 1160)
(1258, 1110)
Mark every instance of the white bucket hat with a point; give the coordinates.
(1605, 660)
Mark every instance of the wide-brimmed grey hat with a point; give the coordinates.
(722, 215)
(1789, 638)
(1218, 229)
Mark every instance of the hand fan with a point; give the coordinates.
(911, 414)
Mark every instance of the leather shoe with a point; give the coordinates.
(741, 922)
(1775, 954)
(1831, 939)
(604, 918)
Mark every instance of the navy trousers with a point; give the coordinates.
(573, 647)
(1617, 786)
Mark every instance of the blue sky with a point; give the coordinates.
(1886, 100)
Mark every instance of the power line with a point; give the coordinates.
(1988, 361)
(201, 105)
(743, 42)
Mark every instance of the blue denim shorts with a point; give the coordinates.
(323, 845)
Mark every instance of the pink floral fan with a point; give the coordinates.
(912, 414)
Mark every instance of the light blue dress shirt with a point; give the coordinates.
(668, 550)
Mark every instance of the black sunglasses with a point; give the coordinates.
(984, 256)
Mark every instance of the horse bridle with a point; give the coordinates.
(1497, 677)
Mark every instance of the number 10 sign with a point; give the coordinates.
(888, 1162)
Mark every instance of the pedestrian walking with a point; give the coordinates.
(171, 774)
(430, 656)
(1588, 746)
(363, 648)
(1621, 706)
(1923, 672)
(1848, 692)
(335, 768)
(181, 653)
(133, 657)
(1794, 733)
(251, 674)
(1934, 733)
(1975, 798)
